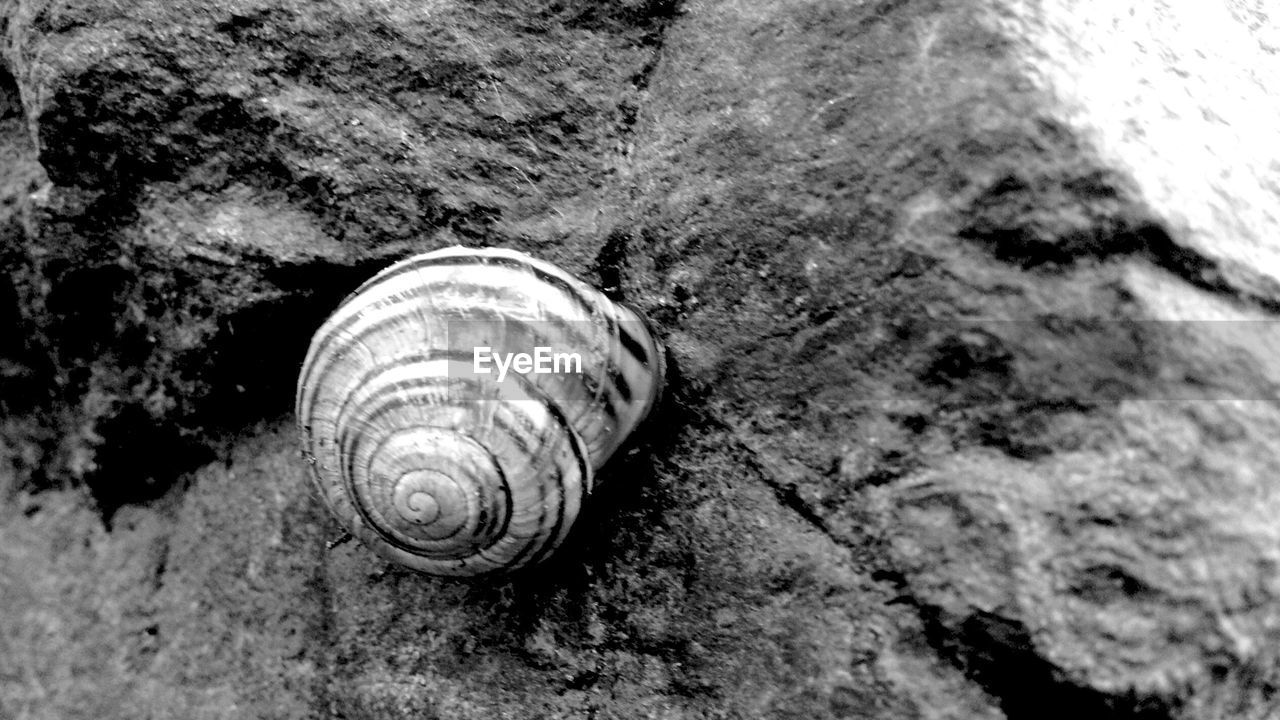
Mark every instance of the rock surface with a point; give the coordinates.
(969, 308)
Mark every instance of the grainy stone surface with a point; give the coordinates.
(970, 316)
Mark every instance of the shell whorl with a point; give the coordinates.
(452, 472)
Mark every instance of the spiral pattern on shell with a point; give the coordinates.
(455, 472)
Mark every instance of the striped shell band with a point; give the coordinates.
(449, 466)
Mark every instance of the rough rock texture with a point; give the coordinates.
(970, 310)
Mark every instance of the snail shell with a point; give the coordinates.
(452, 471)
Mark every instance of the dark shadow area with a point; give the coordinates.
(245, 373)
(998, 654)
(10, 99)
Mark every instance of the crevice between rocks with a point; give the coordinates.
(787, 495)
(993, 652)
(1047, 219)
(664, 13)
(998, 654)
